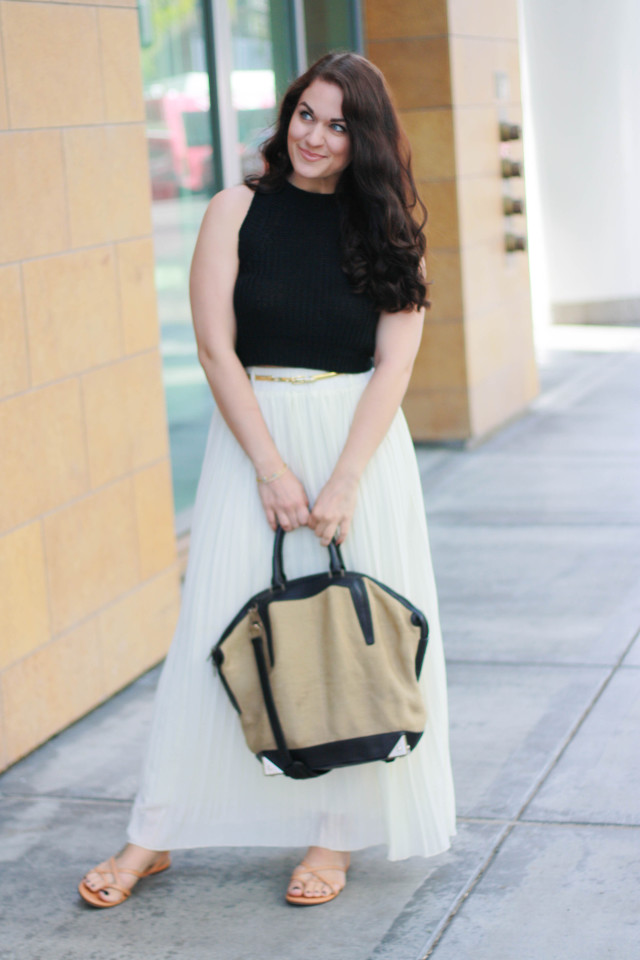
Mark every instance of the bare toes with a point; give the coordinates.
(313, 890)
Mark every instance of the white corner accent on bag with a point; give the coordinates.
(401, 748)
(269, 768)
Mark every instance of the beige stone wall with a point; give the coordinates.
(476, 367)
(88, 572)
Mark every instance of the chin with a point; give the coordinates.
(308, 171)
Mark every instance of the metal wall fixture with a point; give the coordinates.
(511, 169)
(510, 131)
(512, 243)
(511, 205)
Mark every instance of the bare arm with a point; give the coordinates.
(214, 269)
(397, 341)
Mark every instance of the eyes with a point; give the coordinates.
(305, 114)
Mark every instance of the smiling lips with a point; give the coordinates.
(307, 155)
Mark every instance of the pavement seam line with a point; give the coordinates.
(552, 763)
(62, 796)
(433, 941)
(446, 921)
(578, 724)
(469, 662)
(501, 520)
(550, 823)
(451, 911)
(608, 824)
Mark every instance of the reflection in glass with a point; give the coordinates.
(329, 26)
(262, 67)
(177, 110)
(259, 49)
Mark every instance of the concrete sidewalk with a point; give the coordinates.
(536, 544)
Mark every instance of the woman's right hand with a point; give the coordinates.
(285, 502)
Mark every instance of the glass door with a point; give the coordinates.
(331, 26)
(183, 179)
(263, 63)
(213, 74)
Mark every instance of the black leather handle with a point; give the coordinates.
(336, 563)
(278, 579)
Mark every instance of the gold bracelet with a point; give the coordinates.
(274, 476)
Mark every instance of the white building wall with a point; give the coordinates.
(582, 136)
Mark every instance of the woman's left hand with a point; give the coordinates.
(334, 508)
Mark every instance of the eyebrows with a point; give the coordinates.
(303, 103)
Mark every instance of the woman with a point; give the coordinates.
(315, 268)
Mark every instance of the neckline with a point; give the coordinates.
(309, 193)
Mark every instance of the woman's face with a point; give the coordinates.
(318, 140)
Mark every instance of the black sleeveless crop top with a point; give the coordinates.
(294, 306)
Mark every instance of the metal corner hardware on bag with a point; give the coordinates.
(299, 650)
(401, 749)
(255, 623)
(270, 769)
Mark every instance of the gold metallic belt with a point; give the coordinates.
(311, 379)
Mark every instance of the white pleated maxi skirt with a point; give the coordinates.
(200, 784)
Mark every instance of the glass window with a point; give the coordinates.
(330, 26)
(181, 161)
(255, 51)
(262, 66)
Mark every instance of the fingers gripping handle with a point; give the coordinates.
(278, 579)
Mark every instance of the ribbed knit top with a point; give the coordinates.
(293, 303)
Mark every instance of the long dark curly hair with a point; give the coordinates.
(382, 216)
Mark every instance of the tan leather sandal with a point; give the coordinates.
(304, 870)
(92, 896)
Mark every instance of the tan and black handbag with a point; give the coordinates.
(324, 670)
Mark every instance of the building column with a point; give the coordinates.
(90, 582)
(453, 67)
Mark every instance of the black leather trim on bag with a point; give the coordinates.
(291, 766)
(218, 658)
(274, 719)
(310, 586)
(252, 630)
(420, 620)
(263, 610)
(341, 753)
(362, 608)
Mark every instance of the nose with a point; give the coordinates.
(314, 136)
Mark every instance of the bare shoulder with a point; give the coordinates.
(230, 205)
(218, 236)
